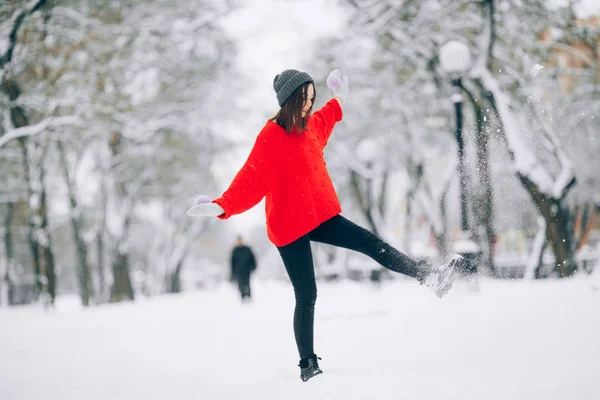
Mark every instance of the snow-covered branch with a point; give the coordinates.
(575, 52)
(82, 20)
(350, 160)
(525, 161)
(537, 250)
(566, 176)
(33, 130)
(8, 34)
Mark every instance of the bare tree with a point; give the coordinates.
(86, 290)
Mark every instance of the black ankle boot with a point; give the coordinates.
(309, 367)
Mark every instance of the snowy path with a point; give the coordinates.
(520, 340)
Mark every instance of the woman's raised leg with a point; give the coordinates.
(341, 232)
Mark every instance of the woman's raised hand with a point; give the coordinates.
(338, 84)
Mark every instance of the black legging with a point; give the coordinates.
(297, 258)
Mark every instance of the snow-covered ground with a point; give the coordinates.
(510, 340)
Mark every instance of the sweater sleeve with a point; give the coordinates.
(246, 190)
(325, 119)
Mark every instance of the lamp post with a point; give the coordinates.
(455, 61)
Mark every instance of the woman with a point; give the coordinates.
(287, 166)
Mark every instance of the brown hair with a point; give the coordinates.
(289, 117)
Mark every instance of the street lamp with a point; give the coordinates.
(455, 61)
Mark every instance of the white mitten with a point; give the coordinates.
(338, 84)
(205, 208)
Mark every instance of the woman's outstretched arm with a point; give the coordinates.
(246, 191)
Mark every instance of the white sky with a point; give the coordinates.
(274, 35)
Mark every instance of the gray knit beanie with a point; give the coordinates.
(287, 82)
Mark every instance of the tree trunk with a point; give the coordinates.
(100, 244)
(483, 207)
(38, 235)
(581, 223)
(415, 173)
(441, 237)
(5, 279)
(538, 269)
(84, 275)
(364, 200)
(122, 288)
(45, 243)
(534, 260)
(557, 220)
(19, 120)
(31, 238)
(175, 279)
(83, 270)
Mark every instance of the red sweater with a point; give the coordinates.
(289, 169)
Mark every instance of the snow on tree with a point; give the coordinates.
(505, 89)
(547, 173)
(123, 105)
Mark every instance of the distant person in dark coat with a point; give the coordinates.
(243, 264)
